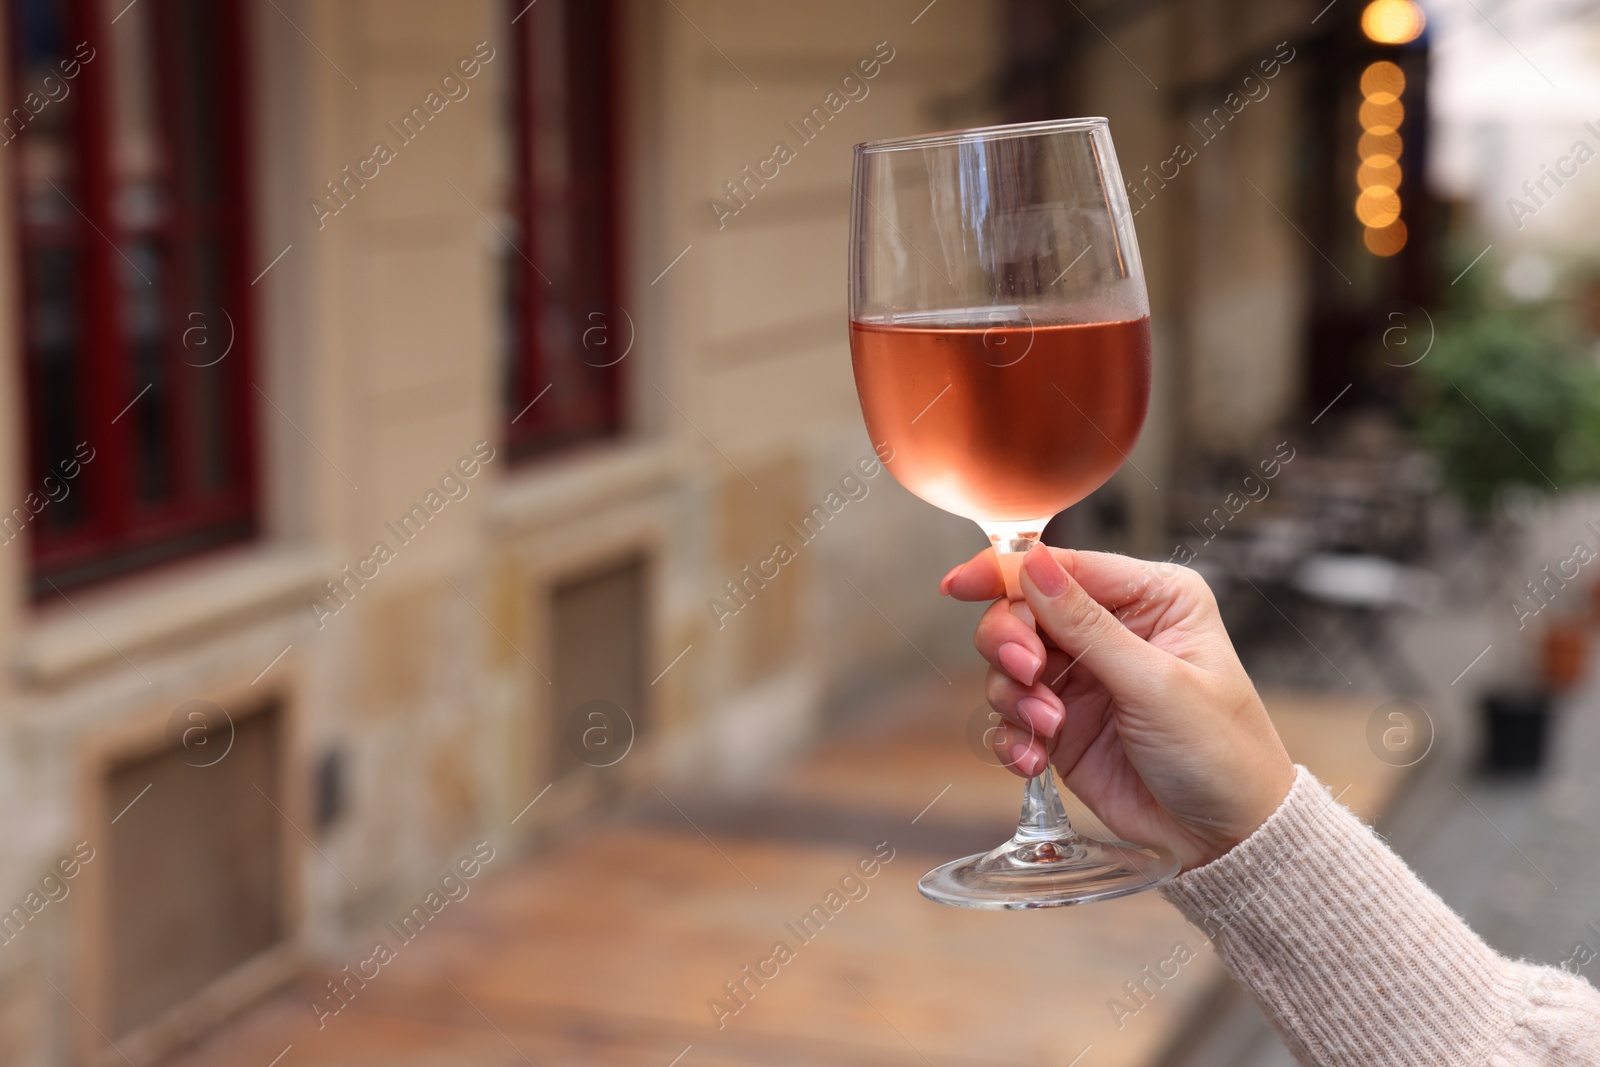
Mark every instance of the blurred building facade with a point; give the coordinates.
(406, 402)
(1275, 156)
(411, 400)
(1516, 116)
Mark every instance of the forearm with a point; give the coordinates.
(1358, 964)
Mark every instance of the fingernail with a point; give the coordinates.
(1043, 717)
(1019, 662)
(1021, 758)
(1047, 574)
(944, 583)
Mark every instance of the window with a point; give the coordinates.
(564, 333)
(125, 131)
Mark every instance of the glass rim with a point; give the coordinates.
(982, 133)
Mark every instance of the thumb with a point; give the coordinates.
(1130, 668)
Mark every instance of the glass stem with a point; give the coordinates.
(1043, 817)
(1011, 541)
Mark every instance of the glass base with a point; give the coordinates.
(1048, 872)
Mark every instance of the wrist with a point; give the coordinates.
(1271, 787)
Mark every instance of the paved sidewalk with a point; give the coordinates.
(1544, 903)
(611, 949)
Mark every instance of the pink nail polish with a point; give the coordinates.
(1018, 760)
(1019, 662)
(1047, 574)
(1044, 718)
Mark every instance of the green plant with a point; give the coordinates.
(1509, 396)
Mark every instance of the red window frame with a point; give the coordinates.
(117, 527)
(564, 322)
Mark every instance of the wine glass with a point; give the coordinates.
(1000, 333)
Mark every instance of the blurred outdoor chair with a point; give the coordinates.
(1355, 603)
(1332, 552)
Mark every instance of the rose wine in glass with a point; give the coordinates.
(1000, 334)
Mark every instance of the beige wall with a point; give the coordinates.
(378, 356)
(1246, 298)
(1226, 271)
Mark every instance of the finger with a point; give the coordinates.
(1024, 757)
(1114, 580)
(1058, 673)
(1085, 704)
(1089, 715)
(1128, 666)
(1004, 737)
(1139, 592)
(1119, 582)
(1010, 642)
(977, 579)
(1033, 707)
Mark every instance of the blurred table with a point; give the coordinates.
(609, 950)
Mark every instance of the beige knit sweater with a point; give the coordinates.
(1358, 964)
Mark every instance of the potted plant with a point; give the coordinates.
(1508, 402)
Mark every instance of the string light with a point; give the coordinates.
(1372, 144)
(1393, 21)
(1385, 240)
(1383, 77)
(1382, 117)
(1382, 171)
(1378, 177)
(1378, 206)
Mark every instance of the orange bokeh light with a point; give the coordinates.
(1385, 240)
(1393, 21)
(1378, 206)
(1379, 175)
(1383, 77)
(1381, 117)
(1374, 143)
(1378, 171)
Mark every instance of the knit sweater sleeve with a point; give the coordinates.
(1358, 964)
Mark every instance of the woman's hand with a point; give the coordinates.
(1135, 694)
